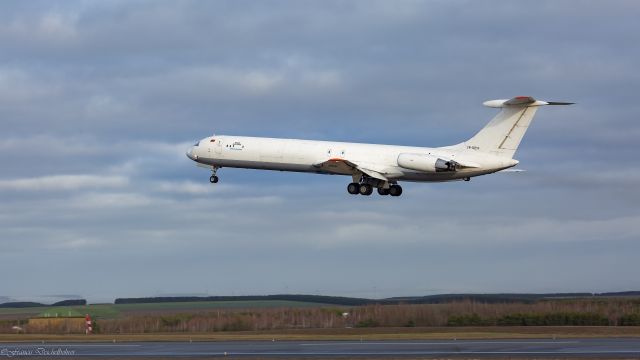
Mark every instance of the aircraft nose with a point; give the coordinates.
(190, 153)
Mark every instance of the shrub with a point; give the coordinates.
(629, 320)
(175, 320)
(467, 320)
(236, 325)
(553, 319)
(368, 323)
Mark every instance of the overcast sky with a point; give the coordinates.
(100, 99)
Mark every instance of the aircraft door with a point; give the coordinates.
(217, 146)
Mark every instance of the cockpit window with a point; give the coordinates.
(197, 143)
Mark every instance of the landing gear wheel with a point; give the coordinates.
(213, 179)
(395, 190)
(353, 188)
(383, 191)
(366, 189)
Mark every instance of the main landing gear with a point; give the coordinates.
(367, 189)
(214, 178)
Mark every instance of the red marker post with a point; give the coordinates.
(88, 326)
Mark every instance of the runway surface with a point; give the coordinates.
(579, 348)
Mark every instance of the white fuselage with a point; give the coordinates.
(307, 156)
(380, 166)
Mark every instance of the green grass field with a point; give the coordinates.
(111, 311)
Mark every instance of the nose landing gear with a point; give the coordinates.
(214, 178)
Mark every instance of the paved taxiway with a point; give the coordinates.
(606, 347)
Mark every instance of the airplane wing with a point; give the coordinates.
(346, 167)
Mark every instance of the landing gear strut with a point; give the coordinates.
(214, 178)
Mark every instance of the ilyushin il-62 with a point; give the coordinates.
(380, 166)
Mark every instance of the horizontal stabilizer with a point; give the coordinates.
(521, 101)
(559, 103)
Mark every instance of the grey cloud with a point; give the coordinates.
(99, 101)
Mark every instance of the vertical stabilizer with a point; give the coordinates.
(503, 134)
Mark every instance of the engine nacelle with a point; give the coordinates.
(426, 163)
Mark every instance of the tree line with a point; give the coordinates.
(28, 304)
(351, 301)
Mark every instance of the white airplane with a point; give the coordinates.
(379, 166)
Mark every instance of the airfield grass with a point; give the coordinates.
(112, 311)
(360, 334)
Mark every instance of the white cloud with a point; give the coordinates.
(18, 85)
(221, 81)
(57, 26)
(78, 243)
(258, 81)
(46, 29)
(102, 201)
(105, 107)
(544, 230)
(55, 145)
(184, 187)
(329, 79)
(64, 182)
(488, 230)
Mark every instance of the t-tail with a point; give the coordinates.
(502, 135)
